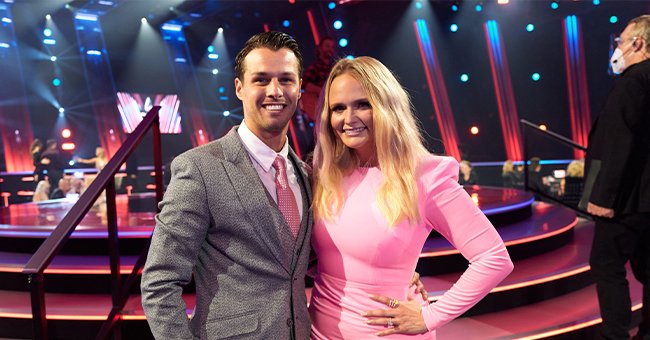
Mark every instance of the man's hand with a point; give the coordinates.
(599, 211)
(403, 317)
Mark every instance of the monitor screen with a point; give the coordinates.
(134, 106)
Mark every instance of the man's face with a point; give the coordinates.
(269, 91)
(327, 49)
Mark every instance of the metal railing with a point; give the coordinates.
(527, 126)
(55, 242)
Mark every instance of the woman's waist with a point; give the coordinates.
(342, 292)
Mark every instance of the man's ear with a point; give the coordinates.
(238, 87)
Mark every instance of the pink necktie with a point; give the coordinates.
(286, 199)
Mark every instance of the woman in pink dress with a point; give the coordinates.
(378, 194)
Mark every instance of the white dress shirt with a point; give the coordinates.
(263, 156)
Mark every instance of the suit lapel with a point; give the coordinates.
(259, 207)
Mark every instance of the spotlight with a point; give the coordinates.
(337, 24)
(530, 27)
(48, 17)
(331, 5)
(453, 27)
(213, 56)
(53, 58)
(286, 23)
(143, 20)
(535, 76)
(613, 19)
(349, 56)
(596, 2)
(474, 130)
(418, 5)
(66, 133)
(67, 6)
(454, 7)
(343, 42)
(464, 77)
(478, 7)
(226, 113)
(220, 30)
(61, 110)
(56, 82)
(215, 71)
(554, 5)
(222, 89)
(210, 48)
(47, 32)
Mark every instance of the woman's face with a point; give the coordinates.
(351, 116)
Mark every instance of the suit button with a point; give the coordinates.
(289, 322)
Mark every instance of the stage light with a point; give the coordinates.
(93, 52)
(454, 8)
(61, 110)
(613, 19)
(56, 82)
(222, 89)
(88, 17)
(503, 2)
(453, 27)
(418, 5)
(4, 45)
(210, 48)
(286, 23)
(535, 76)
(47, 32)
(349, 57)
(464, 77)
(343, 42)
(543, 127)
(71, 163)
(478, 7)
(67, 6)
(474, 130)
(7, 20)
(220, 30)
(172, 27)
(53, 58)
(143, 20)
(530, 27)
(66, 133)
(49, 41)
(213, 56)
(292, 1)
(596, 2)
(226, 113)
(554, 5)
(331, 5)
(337, 24)
(215, 71)
(68, 146)
(48, 17)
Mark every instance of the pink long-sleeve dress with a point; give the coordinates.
(359, 254)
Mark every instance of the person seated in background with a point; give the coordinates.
(571, 186)
(467, 174)
(536, 182)
(42, 192)
(62, 190)
(511, 178)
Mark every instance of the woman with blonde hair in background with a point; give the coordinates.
(378, 193)
(42, 192)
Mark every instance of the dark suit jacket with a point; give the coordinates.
(620, 141)
(218, 221)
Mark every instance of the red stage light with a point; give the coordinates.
(68, 146)
(474, 130)
(66, 133)
(292, 1)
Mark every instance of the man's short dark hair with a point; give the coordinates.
(272, 40)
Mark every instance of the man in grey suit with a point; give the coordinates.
(236, 214)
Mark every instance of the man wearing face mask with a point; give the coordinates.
(617, 187)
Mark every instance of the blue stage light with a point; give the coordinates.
(49, 41)
(596, 2)
(478, 7)
(530, 27)
(337, 24)
(331, 5)
(210, 48)
(343, 42)
(454, 8)
(464, 77)
(222, 89)
(453, 27)
(554, 5)
(286, 23)
(418, 5)
(613, 19)
(535, 76)
(226, 113)
(56, 82)
(47, 32)
(349, 57)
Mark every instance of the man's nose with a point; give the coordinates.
(273, 89)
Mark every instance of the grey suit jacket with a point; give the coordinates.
(218, 222)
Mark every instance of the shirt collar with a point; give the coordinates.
(260, 152)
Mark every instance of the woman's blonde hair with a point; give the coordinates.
(398, 144)
(576, 169)
(507, 167)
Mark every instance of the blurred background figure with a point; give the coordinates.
(315, 76)
(62, 189)
(42, 192)
(511, 177)
(536, 182)
(571, 186)
(100, 160)
(468, 175)
(53, 162)
(36, 149)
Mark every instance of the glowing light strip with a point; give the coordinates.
(68, 271)
(574, 60)
(509, 243)
(296, 145)
(508, 207)
(571, 328)
(504, 92)
(312, 25)
(437, 89)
